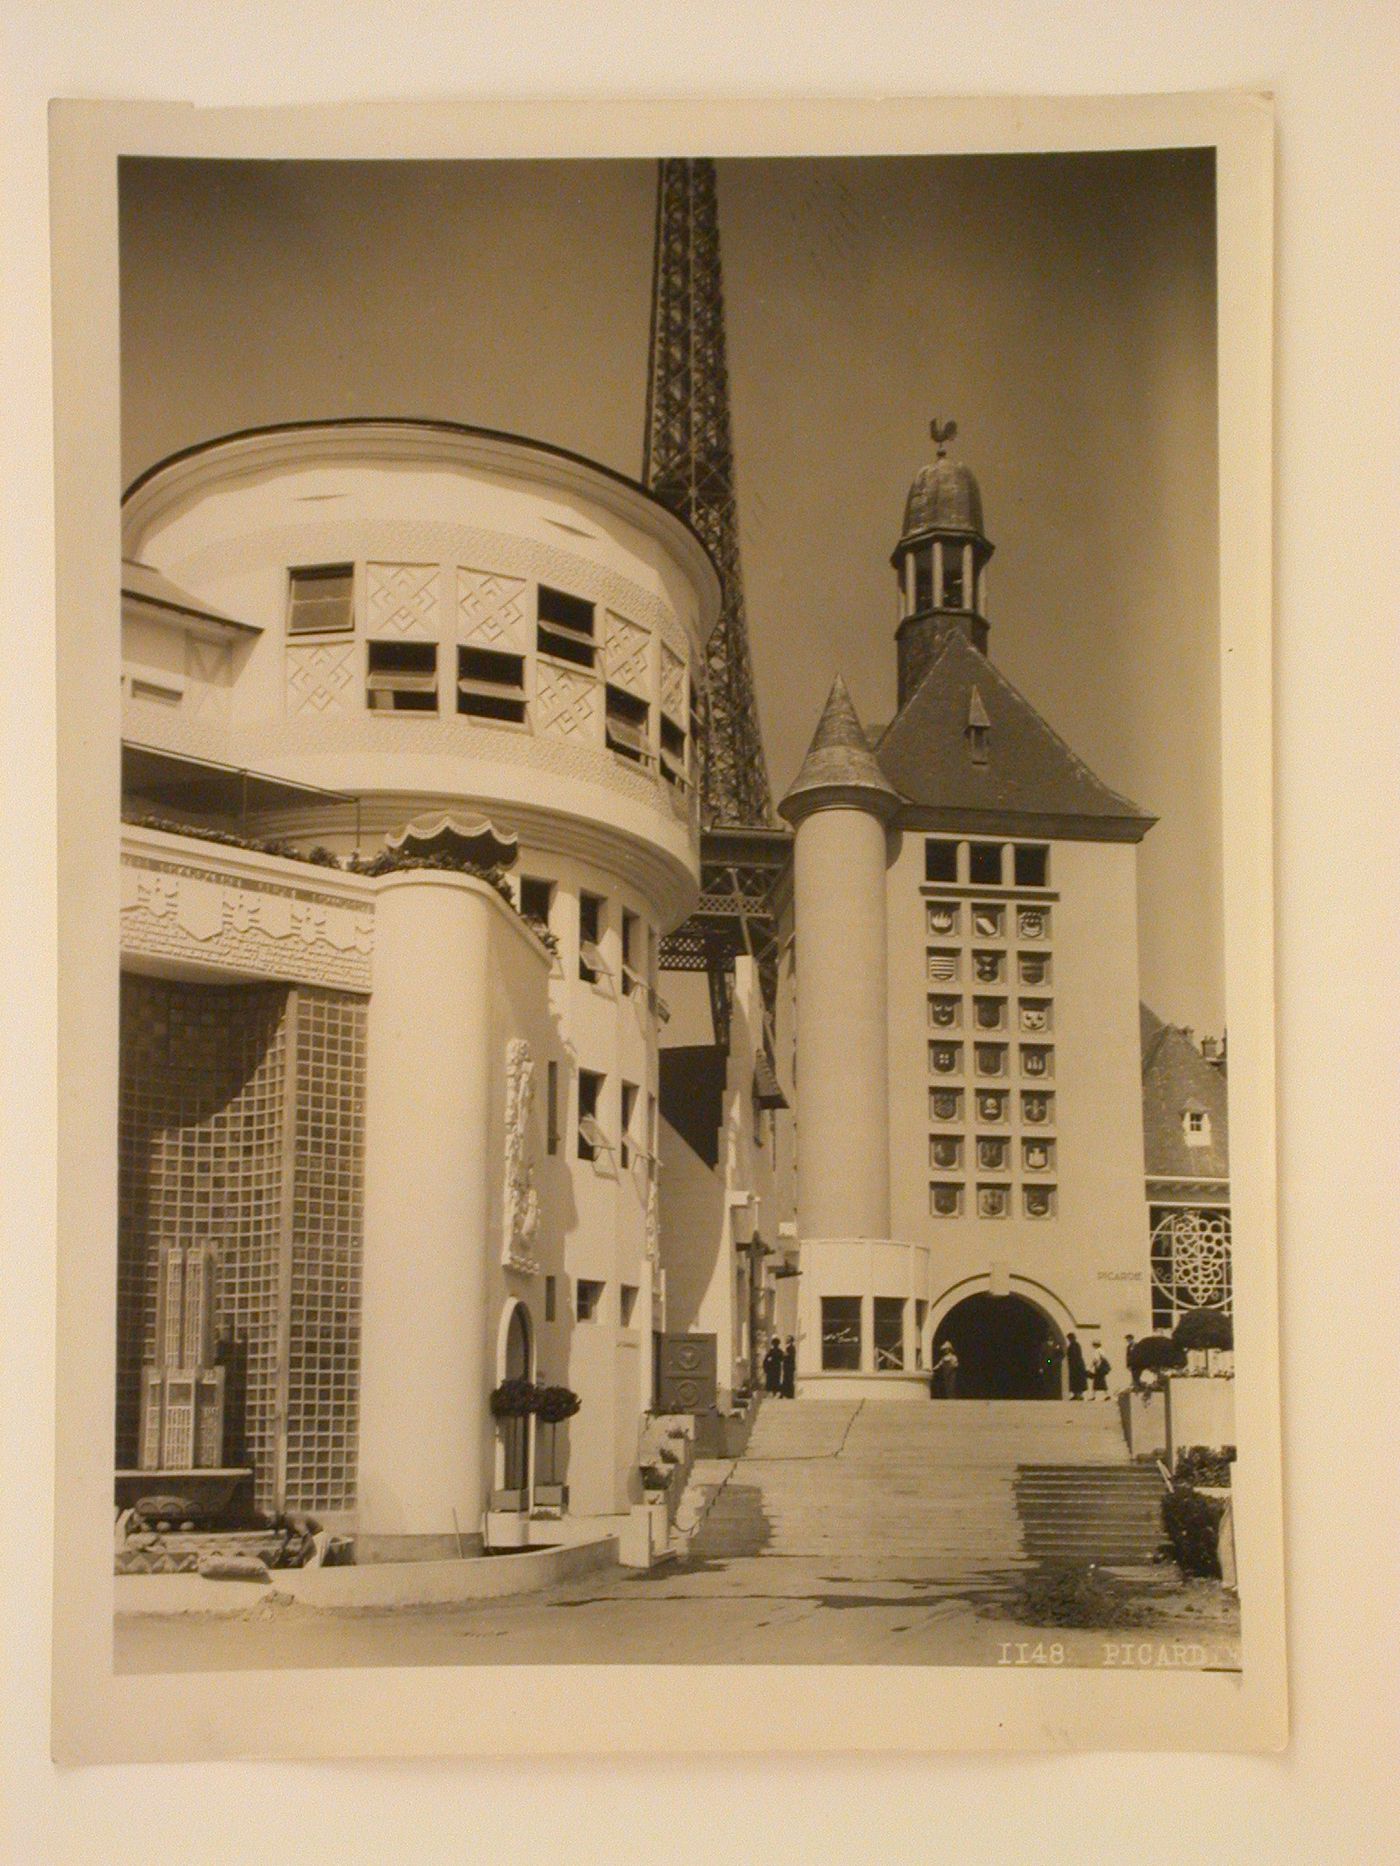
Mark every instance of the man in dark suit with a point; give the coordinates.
(790, 1369)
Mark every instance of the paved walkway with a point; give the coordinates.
(883, 1533)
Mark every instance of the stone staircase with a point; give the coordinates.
(1070, 1514)
(952, 1491)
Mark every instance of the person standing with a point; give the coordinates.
(945, 1373)
(789, 1369)
(773, 1367)
(1099, 1369)
(1078, 1373)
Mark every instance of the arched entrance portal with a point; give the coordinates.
(515, 1431)
(1007, 1348)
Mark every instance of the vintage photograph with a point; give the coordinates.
(671, 1078)
(674, 1082)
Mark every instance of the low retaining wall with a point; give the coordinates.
(379, 1584)
(1200, 1411)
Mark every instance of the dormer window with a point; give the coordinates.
(321, 599)
(979, 729)
(1195, 1125)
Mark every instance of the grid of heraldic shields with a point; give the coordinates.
(989, 974)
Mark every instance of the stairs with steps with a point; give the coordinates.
(1071, 1514)
(948, 1492)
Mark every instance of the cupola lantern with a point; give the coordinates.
(941, 561)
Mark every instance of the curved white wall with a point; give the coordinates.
(843, 1184)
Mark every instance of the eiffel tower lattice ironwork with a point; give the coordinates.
(689, 463)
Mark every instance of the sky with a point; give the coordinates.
(1060, 307)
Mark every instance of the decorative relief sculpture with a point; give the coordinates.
(402, 600)
(653, 1220)
(278, 932)
(566, 703)
(491, 609)
(672, 685)
(1191, 1259)
(522, 1205)
(320, 679)
(627, 655)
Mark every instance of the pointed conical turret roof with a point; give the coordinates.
(840, 769)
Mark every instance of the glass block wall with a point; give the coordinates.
(327, 1227)
(241, 1123)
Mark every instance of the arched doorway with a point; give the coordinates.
(515, 1431)
(1007, 1348)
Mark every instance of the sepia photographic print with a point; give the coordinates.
(665, 887)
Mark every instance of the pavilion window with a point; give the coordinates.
(940, 859)
(491, 685)
(627, 1303)
(564, 627)
(552, 1108)
(591, 1139)
(536, 899)
(321, 599)
(672, 752)
(627, 723)
(841, 1334)
(591, 963)
(588, 1298)
(984, 859)
(629, 1109)
(402, 677)
(1031, 865)
(952, 577)
(888, 1334)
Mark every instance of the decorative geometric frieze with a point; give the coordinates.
(320, 680)
(491, 609)
(627, 655)
(672, 685)
(422, 542)
(180, 913)
(522, 1204)
(566, 703)
(402, 600)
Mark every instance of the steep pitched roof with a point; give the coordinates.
(1176, 1077)
(1029, 771)
(839, 766)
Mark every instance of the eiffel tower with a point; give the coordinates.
(689, 464)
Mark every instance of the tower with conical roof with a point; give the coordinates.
(839, 804)
(968, 1097)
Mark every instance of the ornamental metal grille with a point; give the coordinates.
(1190, 1263)
(689, 464)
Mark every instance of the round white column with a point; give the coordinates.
(424, 1428)
(843, 1176)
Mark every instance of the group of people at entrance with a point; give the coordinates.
(1082, 1375)
(780, 1368)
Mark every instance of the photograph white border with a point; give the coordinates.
(648, 1710)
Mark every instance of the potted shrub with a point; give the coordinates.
(513, 1400)
(1207, 1332)
(554, 1406)
(1154, 1356)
